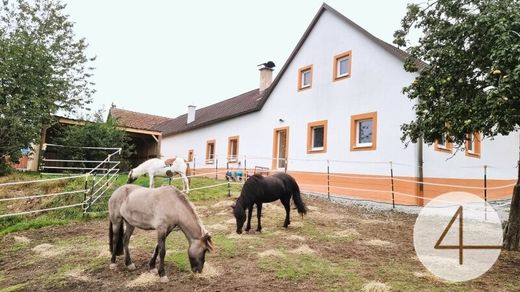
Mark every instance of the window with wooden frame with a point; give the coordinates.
(317, 137)
(473, 145)
(443, 144)
(233, 149)
(342, 66)
(363, 132)
(190, 155)
(210, 152)
(305, 77)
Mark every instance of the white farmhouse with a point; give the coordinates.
(337, 102)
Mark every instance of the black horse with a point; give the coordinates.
(259, 189)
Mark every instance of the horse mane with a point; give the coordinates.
(250, 187)
(189, 205)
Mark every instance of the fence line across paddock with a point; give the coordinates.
(102, 177)
(90, 186)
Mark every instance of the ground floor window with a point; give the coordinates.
(363, 132)
(317, 137)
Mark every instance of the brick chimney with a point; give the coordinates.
(191, 113)
(266, 75)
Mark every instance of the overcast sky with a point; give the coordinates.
(160, 56)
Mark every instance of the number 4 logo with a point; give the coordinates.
(461, 247)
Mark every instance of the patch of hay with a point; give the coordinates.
(296, 224)
(144, 279)
(47, 250)
(199, 208)
(217, 227)
(104, 253)
(273, 207)
(426, 275)
(378, 242)
(303, 249)
(225, 203)
(225, 213)
(326, 216)
(350, 232)
(270, 253)
(208, 272)
(78, 274)
(232, 221)
(296, 237)
(21, 239)
(375, 287)
(313, 208)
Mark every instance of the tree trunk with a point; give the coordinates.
(512, 230)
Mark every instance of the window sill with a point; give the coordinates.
(337, 78)
(210, 162)
(315, 151)
(442, 149)
(363, 148)
(473, 154)
(304, 88)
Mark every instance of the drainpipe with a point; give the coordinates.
(420, 174)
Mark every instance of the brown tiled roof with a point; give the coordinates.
(135, 120)
(254, 101)
(227, 109)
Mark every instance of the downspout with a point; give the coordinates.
(420, 174)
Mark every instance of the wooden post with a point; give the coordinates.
(216, 168)
(227, 178)
(245, 168)
(485, 192)
(392, 181)
(328, 179)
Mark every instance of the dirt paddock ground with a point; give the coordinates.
(333, 248)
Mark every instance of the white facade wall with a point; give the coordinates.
(377, 78)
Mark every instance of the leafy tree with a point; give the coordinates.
(471, 82)
(95, 133)
(43, 70)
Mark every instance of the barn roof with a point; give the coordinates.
(253, 100)
(136, 120)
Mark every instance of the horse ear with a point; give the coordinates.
(207, 238)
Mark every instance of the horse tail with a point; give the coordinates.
(297, 198)
(119, 247)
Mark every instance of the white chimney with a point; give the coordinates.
(191, 113)
(266, 75)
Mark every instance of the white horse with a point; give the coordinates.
(165, 168)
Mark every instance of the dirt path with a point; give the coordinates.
(332, 248)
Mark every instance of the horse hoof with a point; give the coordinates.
(154, 271)
(131, 267)
(113, 266)
(164, 279)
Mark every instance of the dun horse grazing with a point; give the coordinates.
(259, 189)
(162, 209)
(165, 168)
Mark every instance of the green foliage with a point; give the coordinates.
(95, 133)
(472, 79)
(43, 69)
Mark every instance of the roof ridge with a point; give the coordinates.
(141, 113)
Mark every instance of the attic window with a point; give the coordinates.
(305, 77)
(342, 65)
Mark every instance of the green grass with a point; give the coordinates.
(180, 258)
(17, 287)
(327, 274)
